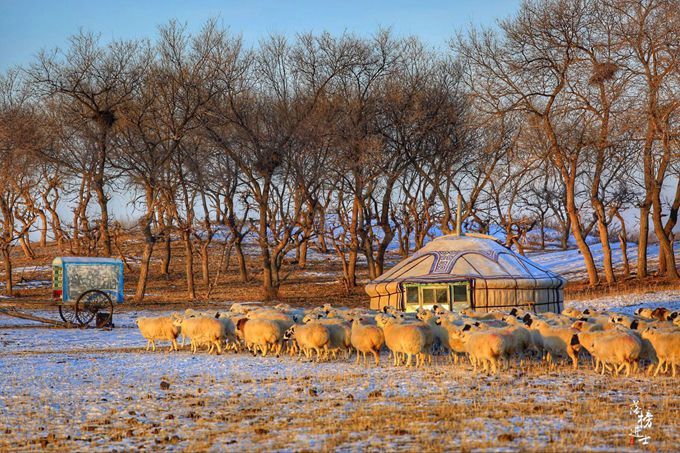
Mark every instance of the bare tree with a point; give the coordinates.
(20, 139)
(528, 72)
(93, 83)
(650, 31)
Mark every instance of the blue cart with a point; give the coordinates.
(85, 288)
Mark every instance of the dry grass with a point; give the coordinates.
(279, 404)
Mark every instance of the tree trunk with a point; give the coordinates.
(205, 265)
(167, 255)
(102, 200)
(642, 241)
(149, 241)
(581, 243)
(353, 245)
(665, 246)
(270, 284)
(7, 260)
(564, 239)
(140, 292)
(604, 240)
(26, 247)
(542, 231)
(321, 242)
(302, 253)
(43, 228)
(241, 258)
(189, 264)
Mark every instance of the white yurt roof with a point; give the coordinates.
(462, 257)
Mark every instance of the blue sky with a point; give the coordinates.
(26, 26)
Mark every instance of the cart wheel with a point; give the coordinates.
(92, 302)
(68, 314)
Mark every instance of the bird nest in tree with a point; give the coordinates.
(602, 72)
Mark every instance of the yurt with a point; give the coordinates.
(467, 271)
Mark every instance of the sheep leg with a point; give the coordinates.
(658, 367)
(620, 367)
(219, 347)
(148, 344)
(650, 368)
(376, 355)
(574, 358)
(174, 345)
(673, 365)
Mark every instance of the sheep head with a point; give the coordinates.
(241, 323)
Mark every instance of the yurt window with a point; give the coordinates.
(425, 296)
(412, 295)
(460, 296)
(460, 293)
(454, 296)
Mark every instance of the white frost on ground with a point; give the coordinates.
(628, 303)
(30, 284)
(97, 385)
(33, 269)
(91, 385)
(570, 263)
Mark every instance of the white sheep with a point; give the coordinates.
(227, 321)
(310, 337)
(439, 333)
(667, 346)
(407, 339)
(618, 348)
(158, 329)
(202, 330)
(452, 327)
(366, 338)
(555, 341)
(485, 347)
(264, 334)
(644, 312)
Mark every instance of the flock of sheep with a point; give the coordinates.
(614, 341)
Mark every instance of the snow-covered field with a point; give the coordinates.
(100, 390)
(93, 389)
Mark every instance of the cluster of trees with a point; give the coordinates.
(563, 117)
